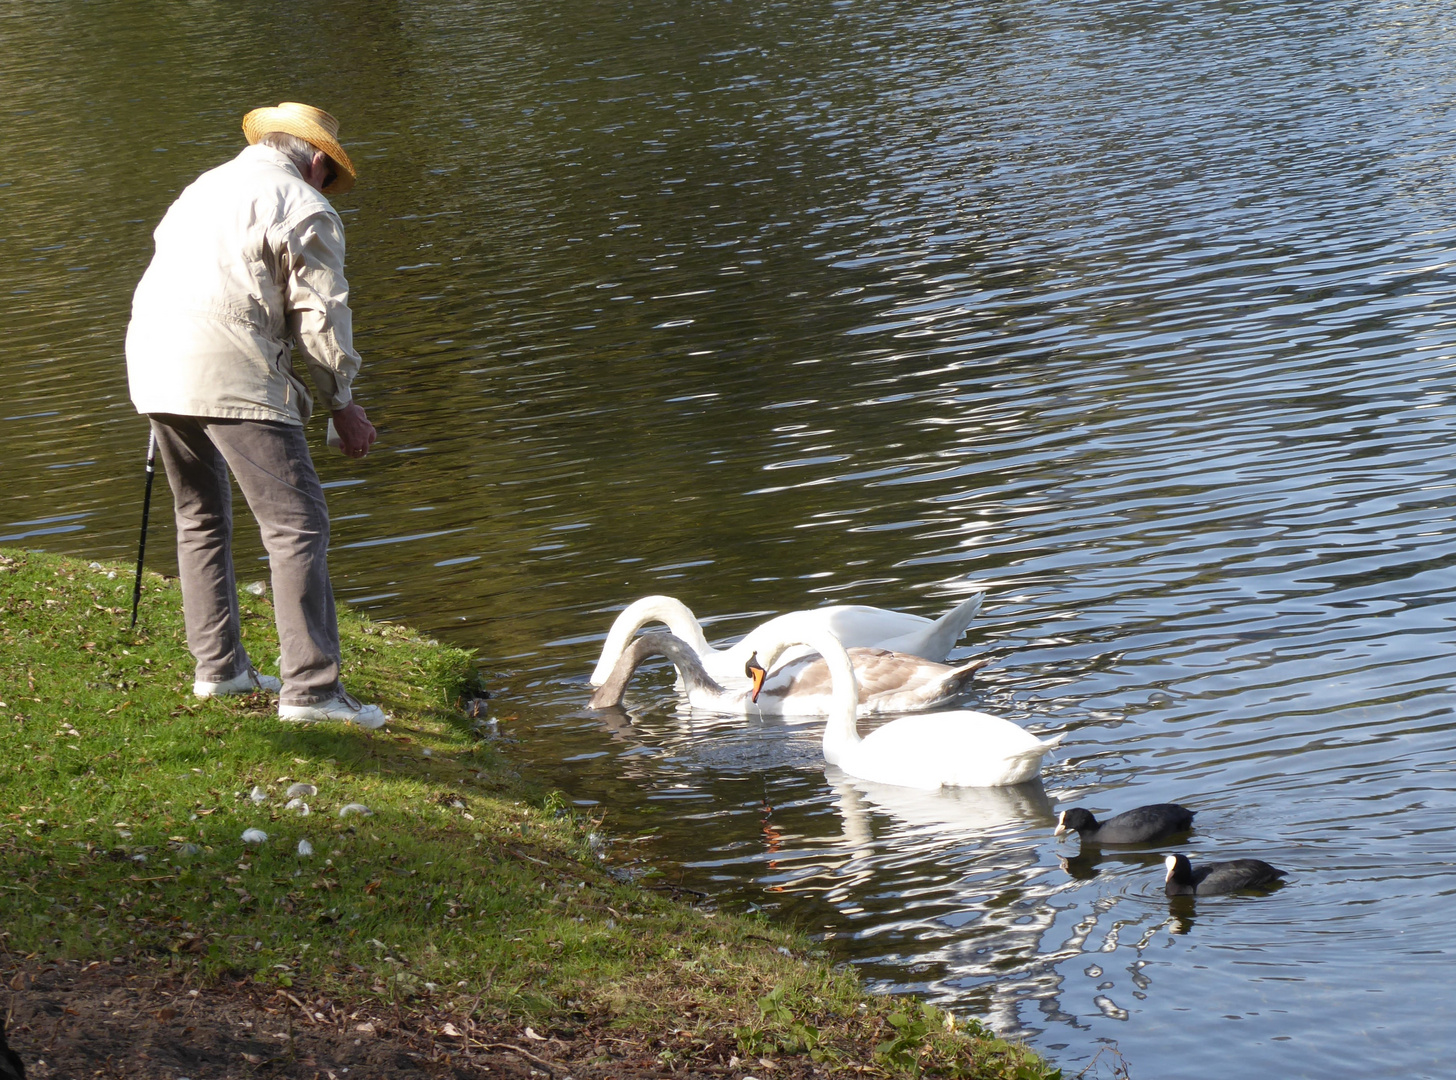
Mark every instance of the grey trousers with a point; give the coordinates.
(275, 472)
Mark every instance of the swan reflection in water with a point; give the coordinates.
(706, 746)
(948, 813)
(954, 879)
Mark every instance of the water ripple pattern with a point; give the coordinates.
(1134, 315)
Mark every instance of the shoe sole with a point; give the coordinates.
(325, 719)
(235, 693)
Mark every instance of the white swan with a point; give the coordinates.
(959, 748)
(885, 682)
(855, 625)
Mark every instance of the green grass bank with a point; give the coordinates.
(440, 885)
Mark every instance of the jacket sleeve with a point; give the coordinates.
(319, 317)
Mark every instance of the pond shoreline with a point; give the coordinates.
(413, 905)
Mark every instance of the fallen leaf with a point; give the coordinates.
(452, 1031)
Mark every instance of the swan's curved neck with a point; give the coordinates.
(673, 613)
(694, 675)
(840, 729)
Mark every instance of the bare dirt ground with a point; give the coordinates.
(113, 1020)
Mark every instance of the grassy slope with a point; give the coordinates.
(123, 802)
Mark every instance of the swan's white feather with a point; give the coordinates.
(854, 625)
(961, 748)
(888, 682)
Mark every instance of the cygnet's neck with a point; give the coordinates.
(689, 668)
(840, 729)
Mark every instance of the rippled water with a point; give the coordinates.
(1131, 314)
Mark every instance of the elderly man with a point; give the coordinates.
(249, 265)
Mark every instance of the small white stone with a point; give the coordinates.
(258, 794)
(257, 588)
(305, 848)
(299, 805)
(254, 836)
(354, 808)
(302, 791)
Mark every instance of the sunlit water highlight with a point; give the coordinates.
(1132, 315)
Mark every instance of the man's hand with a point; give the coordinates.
(356, 433)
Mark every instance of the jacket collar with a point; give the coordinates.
(267, 153)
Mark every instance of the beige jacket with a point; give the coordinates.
(249, 263)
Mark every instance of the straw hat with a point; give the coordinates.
(313, 126)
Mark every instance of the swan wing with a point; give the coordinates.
(888, 683)
(862, 626)
(936, 639)
(892, 682)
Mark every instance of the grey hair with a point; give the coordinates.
(299, 151)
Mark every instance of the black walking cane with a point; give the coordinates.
(136, 592)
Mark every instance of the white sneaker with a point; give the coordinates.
(249, 682)
(345, 707)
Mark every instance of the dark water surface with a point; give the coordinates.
(1133, 314)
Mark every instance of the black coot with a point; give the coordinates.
(1144, 825)
(1217, 877)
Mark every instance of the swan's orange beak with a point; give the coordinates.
(755, 671)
